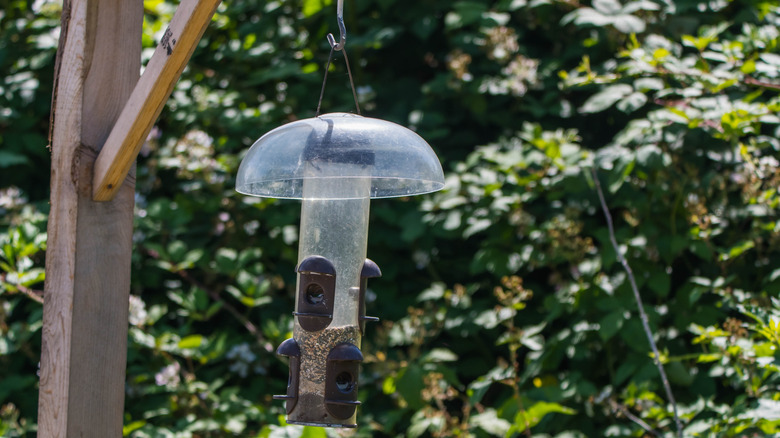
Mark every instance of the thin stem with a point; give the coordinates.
(634, 418)
(638, 298)
(752, 81)
(513, 347)
(35, 295)
(516, 386)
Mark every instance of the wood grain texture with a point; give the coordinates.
(84, 345)
(61, 246)
(149, 96)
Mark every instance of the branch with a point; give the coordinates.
(638, 298)
(35, 295)
(622, 409)
(753, 81)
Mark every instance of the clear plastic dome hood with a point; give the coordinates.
(339, 156)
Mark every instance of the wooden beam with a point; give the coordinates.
(149, 96)
(84, 341)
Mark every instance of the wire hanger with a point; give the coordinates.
(338, 46)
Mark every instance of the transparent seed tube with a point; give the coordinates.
(334, 225)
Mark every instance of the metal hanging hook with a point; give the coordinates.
(342, 29)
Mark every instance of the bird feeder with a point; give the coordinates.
(335, 163)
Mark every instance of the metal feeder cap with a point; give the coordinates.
(340, 146)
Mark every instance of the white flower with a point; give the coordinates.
(11, 197)
(168, 376)
(240, 368)
(243, 357)
(137, 315)
(241, 352)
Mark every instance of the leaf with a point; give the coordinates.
(475, 226)
(286, 431)
(620, 171)
(453, 220)
(533, 343)
(650, 156)
(660, 54)
(611, 324)
(177, 250)
(226, 260)
(130, 428)
(700, 43)
(492, 317)
(491, 423)
(660, 283)
(767, 409)
(420, 424)
(388, 385)
(517, 4)
(607, 7)
(710, 357)
(646, 84)
(440, 355)
(723, 85)
(533, 415)
(14, 386)
(586, 16)
(8, 159)
(313, 432)
(632, 102)
(679, 374)
(409, 383)
(191, 341)
(464, 14)
(640, 5)
(624, 371)
(478, 388)
(192, 257)
(771, 59)
(738, 250)
(606, 98)
(311, 7)
(434, 292)
(412, 226)
(629, 24)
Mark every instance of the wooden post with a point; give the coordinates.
(84, 351)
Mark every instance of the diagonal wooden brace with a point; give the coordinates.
(149, 96)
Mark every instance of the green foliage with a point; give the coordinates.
(504, 309)
(22, 246)
(27, 45)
